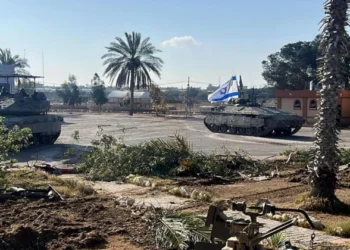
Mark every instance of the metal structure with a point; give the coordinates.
(244, 234)
(245, 117)
(29, 111)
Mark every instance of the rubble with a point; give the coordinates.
(15, 193)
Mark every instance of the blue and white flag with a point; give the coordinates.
(225, 92)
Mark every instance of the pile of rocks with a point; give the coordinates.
(141, 181)
(193, 194)
(301, 221)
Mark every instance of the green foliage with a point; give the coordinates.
(11, 140)
(8, 59)
(110, 159)
(276, 241)
(293, 67)
(70, 93)
(130, 62)
(176, 230)
(158, 99)
(307, 155)
(99, 95)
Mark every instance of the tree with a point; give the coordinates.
(130, 62)
(212, 88)
(96, 80)
(158, 98)
(20, 64)
(70, 93)
(334, 42)
(293, 67)
(98, 93)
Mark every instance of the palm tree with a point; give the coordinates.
(334, 42)
(130, 62)
(8, 59)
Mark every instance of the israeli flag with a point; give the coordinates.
(225, 92)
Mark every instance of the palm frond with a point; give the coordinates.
(132, 55)
(176, 230)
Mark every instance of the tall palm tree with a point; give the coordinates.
(130, 62)
(20, 64)
(334, 42)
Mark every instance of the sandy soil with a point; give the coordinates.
(93, 223)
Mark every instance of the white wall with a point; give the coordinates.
(8, 70)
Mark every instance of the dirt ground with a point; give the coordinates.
(89, 223)
(283, 191)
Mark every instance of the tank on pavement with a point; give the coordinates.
(243, 117)
(29, 111)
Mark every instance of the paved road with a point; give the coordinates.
(143, 127)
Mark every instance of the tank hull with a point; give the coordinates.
(252, 121)
(46, 129)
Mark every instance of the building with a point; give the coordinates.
(304, 103)
(121, 98)
(8, 83)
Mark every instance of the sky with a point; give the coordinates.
(205, 40)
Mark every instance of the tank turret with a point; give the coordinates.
(29, 111)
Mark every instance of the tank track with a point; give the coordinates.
(40, 139)
(267, 129)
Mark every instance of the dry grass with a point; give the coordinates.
(40, 179)
(341, 229)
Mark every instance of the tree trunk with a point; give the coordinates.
(332, 49)
(132, 87)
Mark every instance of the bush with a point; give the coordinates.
(109, 159)
(11, 141)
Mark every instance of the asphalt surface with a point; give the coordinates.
(142, 127)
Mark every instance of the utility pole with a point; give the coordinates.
(187, 95)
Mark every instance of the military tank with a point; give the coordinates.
(29, 111)
(242, 116)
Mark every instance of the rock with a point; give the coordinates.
(204, 196)
(184, 191)
(140, 180)
(338, 230)
(88, 189)
(269, 215)
(130, 177)
(175, 191)
(139, 204)
(154, 185)
(130, 201)
(302, 222)
(195, 193)
(125, 201)
(286, 217)
(317, 223)
(277, 217)
(148, 183)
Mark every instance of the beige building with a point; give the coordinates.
(304, 103)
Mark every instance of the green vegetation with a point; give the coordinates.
(110, 159)
(175, 230)
(11, 141)
(70, 93)
(20, 64)
(306, 155)
(130, 63)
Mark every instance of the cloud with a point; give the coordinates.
(180, 41)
